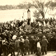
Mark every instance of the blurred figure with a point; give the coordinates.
(0, 46)
(17, 46)
(22, 45)
(4, 43)
(44, 45)
(32, 44)
(26, 45)
(38, 47)
(28, 16)
(12, 47)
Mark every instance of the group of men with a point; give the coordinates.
(24, 46)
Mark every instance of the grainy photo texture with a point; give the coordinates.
(27, 27)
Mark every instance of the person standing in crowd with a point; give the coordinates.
(11, 47)
(44, 45)
(32, 44)
(0, 46)
(28, 16)
(22, 45)
(17, 46)
(26, 45)
(38, 47)
(4, 44)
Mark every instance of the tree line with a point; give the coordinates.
(26, 6)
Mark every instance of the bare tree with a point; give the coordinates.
(40, 6)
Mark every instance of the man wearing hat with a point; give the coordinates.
(44, 45)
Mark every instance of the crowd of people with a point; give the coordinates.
(27, 37)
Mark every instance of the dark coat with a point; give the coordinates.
(44, 42)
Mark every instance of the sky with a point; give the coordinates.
(16, 2)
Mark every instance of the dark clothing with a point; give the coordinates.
(32, 43)
(44, 46)
(17, 46)
(52, 44)
(12, 47)
(38, 51)
(0, 47)
(44, 49)
(5, 47)
(29, 21)
(44, 42)
(26, 45)
(22, 47)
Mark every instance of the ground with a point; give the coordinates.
(50, 53)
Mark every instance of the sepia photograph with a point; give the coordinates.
(27, 27)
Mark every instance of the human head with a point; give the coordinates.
(44, 37)
(26, 37)
(21, 37)
(32, 37)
